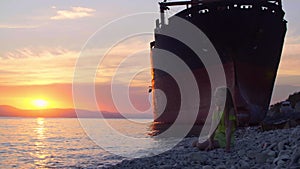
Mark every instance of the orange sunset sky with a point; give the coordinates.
(40, 43)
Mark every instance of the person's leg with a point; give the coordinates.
(204, 145)
(216, 144)
(195, 143)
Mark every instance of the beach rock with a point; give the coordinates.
(280, 163)
(281, 160)
(233, 167)
(281, 145)
(199, 156)
(221, 167)
(175, 166)
(294, 166)
(278, 167)
(285, 157)
(207, 167)
(271, 153)
(165, 166)
(252, 149)
(295, 160)
(230, 162)
(272, 147)
(244, 165)
(270, 160)
(251, 154)
(285, 152)
(241, 152)
(261, 158)
(295, 135)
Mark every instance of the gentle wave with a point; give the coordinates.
(48, 143)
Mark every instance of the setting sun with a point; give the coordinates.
(40, 103)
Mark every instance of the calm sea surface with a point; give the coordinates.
(55, 143)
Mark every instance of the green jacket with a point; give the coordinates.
(220, 133)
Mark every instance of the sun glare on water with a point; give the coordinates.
(40, 103)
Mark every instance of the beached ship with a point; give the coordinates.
(248, 36)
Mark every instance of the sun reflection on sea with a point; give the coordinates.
(40, 154)
(40, 128)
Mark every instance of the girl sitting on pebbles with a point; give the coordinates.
(224, 118)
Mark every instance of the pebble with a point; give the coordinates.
(166, 167)
(221, 167)
(207, 167)
(199, 156)
(252, 149)
(284, 152)
(241, 152)
(281, 145)
(261, 158)
(244, 165)
(296, 157)
(251, 154)
(271, 153)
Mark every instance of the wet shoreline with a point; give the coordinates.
(253, 149)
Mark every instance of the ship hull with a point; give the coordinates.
(249, 43)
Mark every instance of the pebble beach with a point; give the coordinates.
(253, 148)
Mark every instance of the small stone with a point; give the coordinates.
(271, 153)
(241, 152)
(270, 160)
(261, 158)
(281, 145)
(244, 165)
(294, 166)
(200, 157)
(284, 152)
(233, 167)
(221, 167)
(279, 161)
(207, 167)
(165, 166)
(251, 154)
(228, 162)
(296, 157)
(295, 133)
(275, 160)
(284, 157)
(175, 165)
(272, 146)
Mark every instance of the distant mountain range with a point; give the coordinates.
(9, 111)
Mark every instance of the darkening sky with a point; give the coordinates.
(41, 41)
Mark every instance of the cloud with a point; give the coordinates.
(8, 26)
(125, 59)
(37, 66)
(293, 40)
(42, 65)
(25, 53)
(290, 61)
(288, 80)
(74, 13)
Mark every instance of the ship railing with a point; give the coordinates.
(243, 4)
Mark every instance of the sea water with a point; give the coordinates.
(57, 143)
